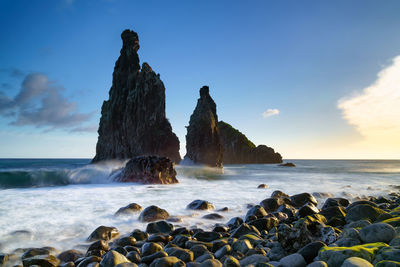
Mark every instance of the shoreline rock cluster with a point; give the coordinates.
(283, 230)
(133, 121)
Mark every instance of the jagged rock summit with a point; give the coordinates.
(240, 150)
(203, 144)
(133, 121)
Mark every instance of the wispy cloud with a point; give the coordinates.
(40, 103)
(270, 112)
(375, 111)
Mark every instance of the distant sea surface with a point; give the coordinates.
(59, 202)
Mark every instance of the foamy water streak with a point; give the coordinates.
(63, 216)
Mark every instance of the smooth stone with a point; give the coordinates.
(133, 256)
(300, 200)
(334, 211)
(99, 245)
(125, 241)
(182, 254)
(310, 251)
(165, 262)
(306, 210)
(242, 246)
(256, 211)
(211, 263)
(150, 248)
(356, 262)
(41, 260)
(388, 253)
(70, 255)
(335, 256)
(204, 257)
(231, 262)
(199, 250)
(293, 260)
(87, 260)
(153, 213)
(129, 209)
(112, 258)
(363, 211)
(265, 223)
(271, 204)
(338, 201)
(223, 251)
(279, 194)
(213, 216)
(234, 222)
(207, 236)
(244, 229)
(199, 204)
(254, 259)
(139, 235)
(262, 186)
(377, 232)
(103, 233)
(150, 258)
(34, 252)
(159, 227)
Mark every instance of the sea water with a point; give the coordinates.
(59, 202)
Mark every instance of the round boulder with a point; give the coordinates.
(153, 213)
(378, 232)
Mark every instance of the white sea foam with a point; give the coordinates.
(64, 216)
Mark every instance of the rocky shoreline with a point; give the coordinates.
(282, 230)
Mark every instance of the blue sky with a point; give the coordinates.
(298, 57)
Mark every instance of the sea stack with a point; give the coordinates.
(240, 150)
(133, 121)
(203, 144)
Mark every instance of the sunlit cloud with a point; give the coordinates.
(375, 111)
(270, 112)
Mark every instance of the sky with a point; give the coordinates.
(312, 79)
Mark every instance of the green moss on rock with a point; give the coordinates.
(335, 256)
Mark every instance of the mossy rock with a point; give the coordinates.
(335, 256)
(388, 253)
(363, 211)
(388, 264)
(395, 222)
(395, 211)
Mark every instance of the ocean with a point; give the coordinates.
(59, 202)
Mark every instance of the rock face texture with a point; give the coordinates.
(240, 150)
(203, 144)
(149, 170)
(133, 121)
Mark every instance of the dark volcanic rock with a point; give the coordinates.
(288, 164)
(149, 170)
(131, 208)
(153, 213)
(103, 233)
(203, 143)
(133, 120)
(240, 150)
(199, 204)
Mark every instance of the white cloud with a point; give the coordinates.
(375, 111)
(270, 112)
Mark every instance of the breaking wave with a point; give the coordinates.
(88, 174)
